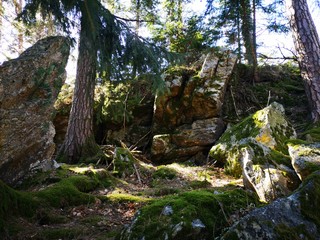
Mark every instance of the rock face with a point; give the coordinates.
(256, 149)
(28, 89)
(186, 119)
(293, 217)
(305, 158)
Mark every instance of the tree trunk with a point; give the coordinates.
(239, 33)
(138, 16)
(79, 142)
(307, 45)
(256, 77)
(246, 29)
(18, 8)
(1, 13)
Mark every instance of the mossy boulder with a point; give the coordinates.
(190, 215)
(13, 203)
(305, 158)
(256, 149)
(293, 217)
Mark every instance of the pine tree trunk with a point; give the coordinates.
(1, 13)
(256, 77)
(307, 45)
(79, 141)
(18, 9)
(247, 29)
(138, 13)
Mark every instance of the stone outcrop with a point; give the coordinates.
(186, 119)
(305, 158)
(28, 89)
(293, 217)
(256, 149)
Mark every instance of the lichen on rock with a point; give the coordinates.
(305, 158)
(293, 217)
(256, 149)
(30, 86)
(190, 111)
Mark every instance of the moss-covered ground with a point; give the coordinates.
(95, 201)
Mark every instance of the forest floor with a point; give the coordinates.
(115, 205)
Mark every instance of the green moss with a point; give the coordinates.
(164, 172)
(245, 128)
(296, 142)
(312, 133)
(124, 197)
(180, 70)
(199, 184)
(13, 202)
(212, 209)
(311, 167)
(278, 158)
(69, 192)
(40, 178)
(233, 167)
(310, 197)
(285, 232)
(163, 191)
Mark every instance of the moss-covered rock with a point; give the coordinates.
(305, 158)
(293, 217)
(13, 203)
(190, 215)
(267, 176)
(256, 148)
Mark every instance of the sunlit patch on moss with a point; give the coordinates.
(164, 173)
(212, 209)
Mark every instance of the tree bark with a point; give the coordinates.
(18, 8)
(79, 141)
(1, 13)
(248, 18)
(247, 29)
(307, 45)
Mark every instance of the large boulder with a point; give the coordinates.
(28, 89)
(293, 217)
(305, 158)
(187, 117)
(186, 141)
(256, 149)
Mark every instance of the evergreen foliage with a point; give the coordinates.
(180, 33)
(119, 50)
(236, 21)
